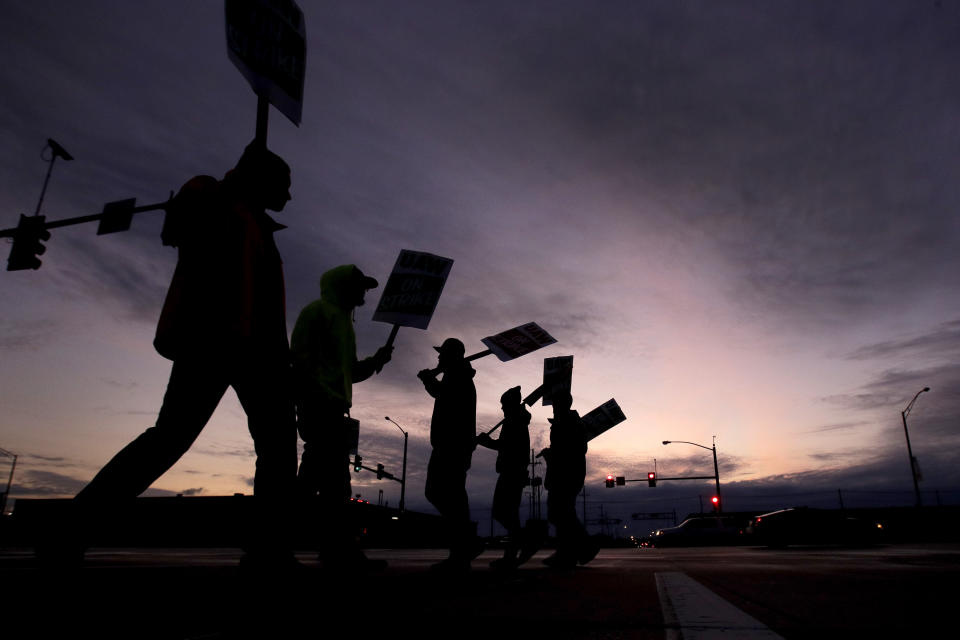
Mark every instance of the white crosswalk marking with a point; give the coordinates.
(693, 612)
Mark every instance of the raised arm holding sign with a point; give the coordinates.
(530, 400)
(557, 377)
(516, 342)
(603, 418)
(513, 343)
(412, 291)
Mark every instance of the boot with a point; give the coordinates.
(509, 560)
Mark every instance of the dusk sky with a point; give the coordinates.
(742, 219)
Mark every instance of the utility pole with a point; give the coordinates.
(536, 485)
(13, 466)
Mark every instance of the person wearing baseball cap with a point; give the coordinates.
(325, 366)
(513, 451)
(453, 429)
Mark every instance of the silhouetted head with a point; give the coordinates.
(345, 286)
(264, 175)
(361, 283)
(510, 400)
(451, 353)
(562, 401)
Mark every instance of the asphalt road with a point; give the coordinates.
(747, 592)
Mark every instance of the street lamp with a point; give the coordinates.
(913, 461)
(716, 469)
(403, 475)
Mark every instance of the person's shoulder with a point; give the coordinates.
(188, 209)
(311, 311)
(199, 188)
(200, 182)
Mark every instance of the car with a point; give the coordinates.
(808, 526)
(701, 531)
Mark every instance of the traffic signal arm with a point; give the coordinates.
(658, 478)
(31, 230)
(379, 470)
(66, 222)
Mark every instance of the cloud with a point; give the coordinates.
(130, 279)
(153, 492)
(940, 342)
(126, 386)
(37, 483)
(836, 456)
(840, 426)
(227, 449)
(53, 459)
(21, 335)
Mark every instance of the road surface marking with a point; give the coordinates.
(693, 612)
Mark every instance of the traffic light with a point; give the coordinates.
(27, 243)
(610, 481)
(356, 462)
(379, 471)
(652, 478)
(716, 503)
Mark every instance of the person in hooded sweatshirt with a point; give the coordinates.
(453, 436)
(325, 365)
(513, 450)
(223, 325)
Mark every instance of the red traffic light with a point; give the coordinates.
(652, 478)
(610, 481)
(715, 500)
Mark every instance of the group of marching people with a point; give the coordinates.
(223, 325)
(325, 366)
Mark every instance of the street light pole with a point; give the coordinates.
(913, 461)
(403, 474)
(13, 466)
(716, 468)
(716, 474)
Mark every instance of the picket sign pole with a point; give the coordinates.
(530, 400)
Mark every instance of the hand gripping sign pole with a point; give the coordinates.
(513, 343)
(411, 294)
(557, 375)
(530, 400)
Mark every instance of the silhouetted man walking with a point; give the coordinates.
(223, 325)
(324, 349)
(566, 470)
(512, 449)
(453, 433)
